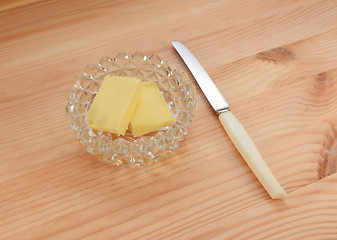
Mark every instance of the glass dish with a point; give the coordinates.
(175, 87)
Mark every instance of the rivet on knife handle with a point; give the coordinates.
(236, 132)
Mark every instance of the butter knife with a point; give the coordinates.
(236, 132)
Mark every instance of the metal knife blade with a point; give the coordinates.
(212, 93)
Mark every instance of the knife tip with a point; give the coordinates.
(175, 42)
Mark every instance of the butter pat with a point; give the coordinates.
(96, 127)
(114, 104)
(152, 112)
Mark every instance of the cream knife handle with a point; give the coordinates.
(245, 145)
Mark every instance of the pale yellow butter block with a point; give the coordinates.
(114, 104)
(96, 127)
(152, 112)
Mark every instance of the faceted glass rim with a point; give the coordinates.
(177, 89)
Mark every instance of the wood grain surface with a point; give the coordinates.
(275, 62)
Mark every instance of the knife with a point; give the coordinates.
(236, 132)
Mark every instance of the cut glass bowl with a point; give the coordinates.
(175, 87)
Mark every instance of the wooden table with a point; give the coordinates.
(276, 63)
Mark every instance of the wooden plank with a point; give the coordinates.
(184, 200)
(299, 217)
(55, 36)
(291, 64)
(6, 5)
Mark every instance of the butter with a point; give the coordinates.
(152, 112)
(114, 104)
(96, 127)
